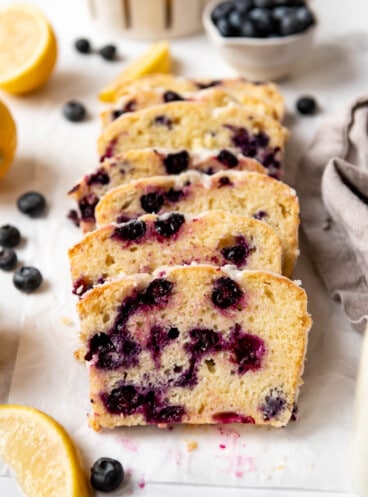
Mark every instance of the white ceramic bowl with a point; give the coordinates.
(260, 58)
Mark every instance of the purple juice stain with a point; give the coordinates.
(110, 150)
(159, 338)
(237, 253)
(274, 404)
(100, 177)
(232, 417)
(132, 230)
(87, 206)
(226, 293)
(176, 163)
(248, 350)
(81, 286)
(227, 158)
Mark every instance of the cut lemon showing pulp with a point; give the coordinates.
(41, 452)
(156, 60)
(8, 139)
(28, 49)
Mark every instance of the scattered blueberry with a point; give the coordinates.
(9, 236)
(108, 52)
(306, 105)
(82, 45)
(106, 474)
(74, 111)
(31, 203)
(27, 279)
(8, 259)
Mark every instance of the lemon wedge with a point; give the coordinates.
(28, 49)
(156, 59)
(41, 452)
(8, 139)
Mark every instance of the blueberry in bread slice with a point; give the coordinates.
(194, 125)
(144, 244)
(137, 100)
(194, 344)
(246, 193)
(237, 87)
(135, 164)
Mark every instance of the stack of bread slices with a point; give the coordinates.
(186, 308)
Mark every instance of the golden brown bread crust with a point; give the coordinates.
(247, 193)
(272, 308)
(206, 238)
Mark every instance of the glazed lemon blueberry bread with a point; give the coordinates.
(245, 193)
(237, 87)
(234, 352)
(135, 164)
(193, 125)
(214, 97)
(151, 241)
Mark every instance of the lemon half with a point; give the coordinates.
(28, 49)
(156, 59)
(8, 139)
(41, 452)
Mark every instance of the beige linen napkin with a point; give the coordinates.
(332, 184)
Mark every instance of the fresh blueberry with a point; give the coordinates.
(9, 236)
(31, 203)
(290, 25)
(249, 30)
(152, 202)
(108, 52)
(74, 111)
(263, 4)
(225, 28)
(27, 279)
(236, 20)
(305, 17)
(8, 259)
(82, 45)
(106, 474)
(262, 20)
(306, 105)
(242, 6)
(221, 10)
(279, 12)
(169, 225)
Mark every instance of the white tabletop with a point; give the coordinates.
(335, 73)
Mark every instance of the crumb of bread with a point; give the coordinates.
(191, 445)
(67, 321)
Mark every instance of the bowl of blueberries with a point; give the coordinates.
(261, 39)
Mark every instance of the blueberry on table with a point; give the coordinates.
(32, 204)
(306, 105)
(74, 111)
(108, 52)
(8, 259)
(106, 474)
(9, 236)
(82, 45)
(27, 279)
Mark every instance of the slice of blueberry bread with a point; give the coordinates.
(238, 87)
(144, 244)
(135, 164)
(246, 193)
(194, 344)
(217, 98)
(194, 125)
